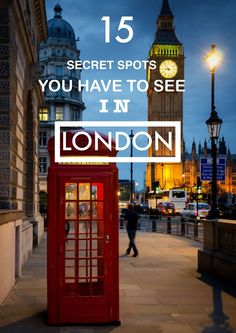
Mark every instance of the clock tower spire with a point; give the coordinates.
(165, 20)
(165, 9)
(165, 34)
(167, 51)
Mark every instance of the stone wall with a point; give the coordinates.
(16, 245)
(22, 28)
(7, 258)
(218, 256)
(5, 171)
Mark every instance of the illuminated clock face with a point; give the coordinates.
(168, 69)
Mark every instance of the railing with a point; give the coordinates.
(190, 228)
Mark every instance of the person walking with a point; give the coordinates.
(131, 221)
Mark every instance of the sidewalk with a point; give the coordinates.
(160, 292)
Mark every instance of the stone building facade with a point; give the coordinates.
(59, 47)
(22, 28)
(191, 170)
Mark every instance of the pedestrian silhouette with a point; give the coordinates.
(131, 220)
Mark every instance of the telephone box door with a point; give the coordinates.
(88, 242)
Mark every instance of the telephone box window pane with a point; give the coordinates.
(94, 244)
(94, 268)
(94, 192)
(67, 228)
(97, 229)
(82, 262)
(83, 229)
(84, 268)
(70, 252)
(84, 210)
(97, 210)
(84, 248)
(70, 269)
(98, 268)
(84, 191)
(95, 253)
(71, 191)
(70, 228)
(70, 210)
(70, 246)
(94, 229)
(97, 191)
(97, 248)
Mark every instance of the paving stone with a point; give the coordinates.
(160, 292)
(176, 328)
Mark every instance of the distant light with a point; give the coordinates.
(213, 58)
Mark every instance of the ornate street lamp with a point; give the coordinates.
(131, 168)
(214, 125)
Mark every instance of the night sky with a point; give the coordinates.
(198, 25)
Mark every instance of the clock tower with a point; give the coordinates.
(168, 53)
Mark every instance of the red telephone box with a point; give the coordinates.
(83, 283)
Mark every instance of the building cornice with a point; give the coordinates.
(10, 216)
(40, 11)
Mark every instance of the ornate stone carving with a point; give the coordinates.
(4, 191)
(4, 17)
(4, 85)
(4, 32)
(4, 68)
(4, 51)
(4, 103)
(4, 175)
(4, 138)
(4, 155)
(4, 120)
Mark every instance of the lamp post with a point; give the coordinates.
(183, 180)
(131, 167)
(162, 176)
(214, 125)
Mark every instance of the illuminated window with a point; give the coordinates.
(59, 113)
(43, 114)
(43, 139)
(43, 165)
